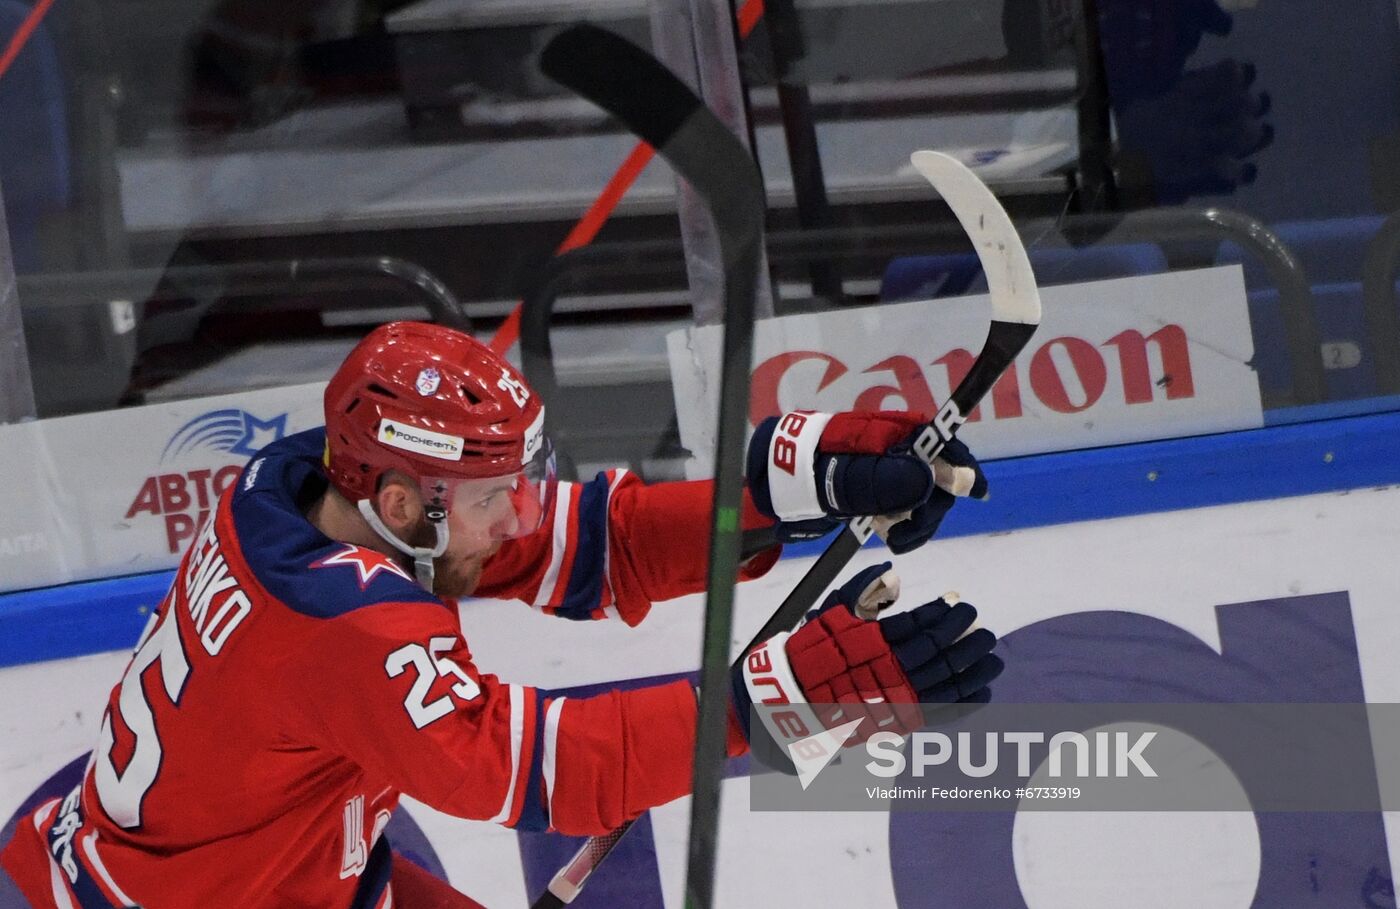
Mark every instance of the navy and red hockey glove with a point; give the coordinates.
(838, 667)
(809, 471)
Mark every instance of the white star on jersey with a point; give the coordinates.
(366, 561)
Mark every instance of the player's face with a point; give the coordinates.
(484, 514)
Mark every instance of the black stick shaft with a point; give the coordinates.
(645, 96)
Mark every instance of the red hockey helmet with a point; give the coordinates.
(441, 407)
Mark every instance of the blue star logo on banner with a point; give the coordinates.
(235, 431)
(258, 433)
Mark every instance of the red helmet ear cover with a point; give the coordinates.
(428, 401)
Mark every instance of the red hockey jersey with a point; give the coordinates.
(290, 687)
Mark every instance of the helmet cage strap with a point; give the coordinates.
(422, 556)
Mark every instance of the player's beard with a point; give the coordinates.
(454, 576)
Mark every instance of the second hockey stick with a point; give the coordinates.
(638, 90)
(1015, 318)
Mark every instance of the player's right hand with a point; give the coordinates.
(837, 667)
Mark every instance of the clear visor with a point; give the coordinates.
(509, 506)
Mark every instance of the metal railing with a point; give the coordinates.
(245, 279)
(85, 330)
(1378, 299)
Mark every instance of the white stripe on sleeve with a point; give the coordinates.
(551, 740)
(560, 543)
(517, 735)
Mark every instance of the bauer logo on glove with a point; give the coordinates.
(838, 668)
(809, 471)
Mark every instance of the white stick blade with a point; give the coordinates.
(1009, 275)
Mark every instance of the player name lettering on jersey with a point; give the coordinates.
(207, 578)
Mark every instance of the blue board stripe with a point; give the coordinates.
(1325, 455)
(52, 623)
(1287, 460)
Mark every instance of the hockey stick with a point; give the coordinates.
(1015, 317)
(638, 90)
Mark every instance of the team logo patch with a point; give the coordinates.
(421, 441)
(367, 563)
(428, 381)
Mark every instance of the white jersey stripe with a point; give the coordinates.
(560, 543)
(90, 850)
(551, 739)
(41, 815)
(517, 736)
(57, 881)
(60, 886)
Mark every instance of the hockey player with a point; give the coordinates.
(307, 665)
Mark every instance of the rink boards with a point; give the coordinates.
(1156, 605)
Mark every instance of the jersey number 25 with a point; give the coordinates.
(430, 666)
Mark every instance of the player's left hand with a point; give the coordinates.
(845, 662)
(811, 470)
(931, 654)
